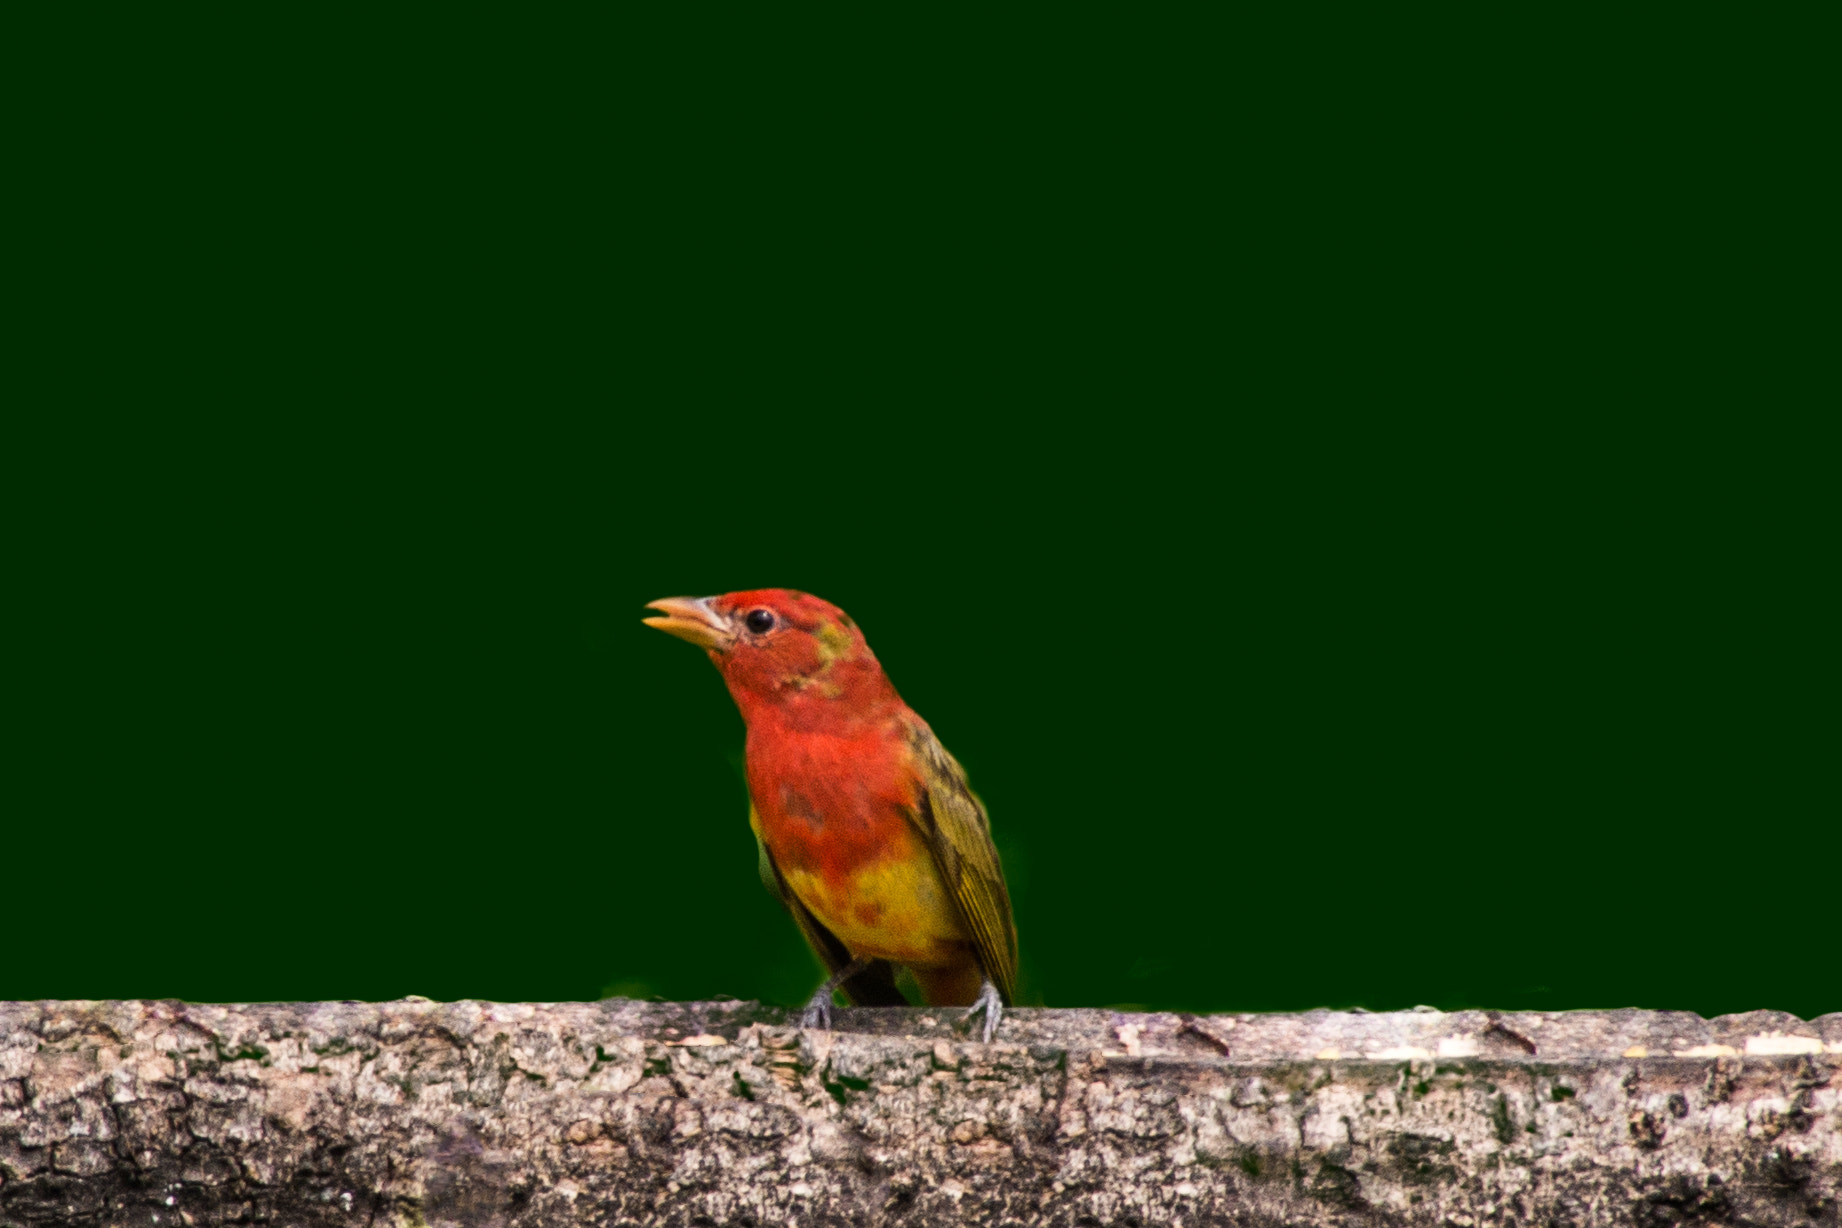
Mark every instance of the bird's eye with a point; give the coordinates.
(761, 621)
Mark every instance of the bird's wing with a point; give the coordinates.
(957, 832)
(875, 985)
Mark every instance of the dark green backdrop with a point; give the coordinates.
(1284, 509)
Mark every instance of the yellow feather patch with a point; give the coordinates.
(894, 909)
(833, 643)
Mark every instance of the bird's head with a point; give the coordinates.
(775, 646)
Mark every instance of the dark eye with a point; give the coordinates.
(761, 621)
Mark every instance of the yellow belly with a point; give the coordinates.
(895, 909)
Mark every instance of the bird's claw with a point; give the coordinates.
(991, 1004)
(818, 1007)
(818, 1011)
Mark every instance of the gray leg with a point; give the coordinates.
(818, 1007)
(993, 1006)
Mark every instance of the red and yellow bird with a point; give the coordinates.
(865, 827)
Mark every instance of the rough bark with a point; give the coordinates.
(619, 1112)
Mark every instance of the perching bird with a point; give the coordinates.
(865, 828)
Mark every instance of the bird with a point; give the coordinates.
(865, 828)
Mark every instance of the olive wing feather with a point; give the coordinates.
(953, 822)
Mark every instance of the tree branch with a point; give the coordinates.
(619, 1112)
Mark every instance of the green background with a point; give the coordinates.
(1285, 502)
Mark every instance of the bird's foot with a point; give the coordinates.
(992, 1004)
(818, 1007)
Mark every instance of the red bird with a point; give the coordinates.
(865, 828)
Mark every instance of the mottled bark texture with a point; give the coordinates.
(619, 1112)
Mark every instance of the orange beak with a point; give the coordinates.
(691, 618)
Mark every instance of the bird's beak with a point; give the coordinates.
(691, 618)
